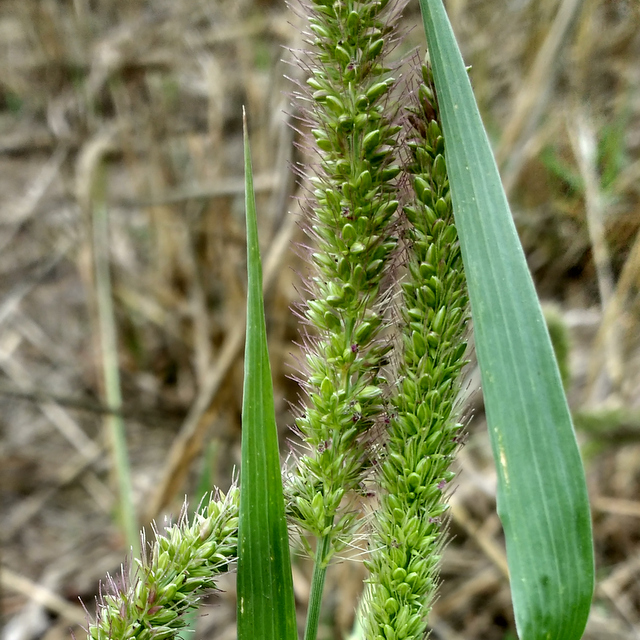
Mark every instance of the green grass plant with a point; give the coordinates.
(114, 423)
(542, 495)
(351, 224)
(423, 430)
(149, 601)
(264, 566)
(409, 223)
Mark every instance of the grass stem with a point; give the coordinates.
(109, 351)
(317, 587)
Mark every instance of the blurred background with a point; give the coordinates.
(122, 252)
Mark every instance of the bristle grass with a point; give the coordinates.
(380, 396)
(423, 430)
(150, 601)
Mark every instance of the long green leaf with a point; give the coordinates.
(542, 496)
(266, 608)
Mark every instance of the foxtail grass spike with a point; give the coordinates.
(351, 223)
(150, 602)
(423, 430)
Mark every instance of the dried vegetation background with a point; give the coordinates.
(129, 112)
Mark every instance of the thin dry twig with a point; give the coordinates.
(616, 506)
(488, 545)
(534, 95)
(583, 142)
(27, 205)
(629, 276)
(15, 582)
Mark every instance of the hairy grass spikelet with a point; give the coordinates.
(352, 213)
(168, 582)
(423, 430)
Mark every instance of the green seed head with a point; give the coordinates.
(352, 217)
(181, 564)
(422, 432)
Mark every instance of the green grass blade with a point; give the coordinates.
(542, 497)
(266, 608)
(111, 372)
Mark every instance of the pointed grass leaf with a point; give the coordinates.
(266, 609)
(542, 497)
